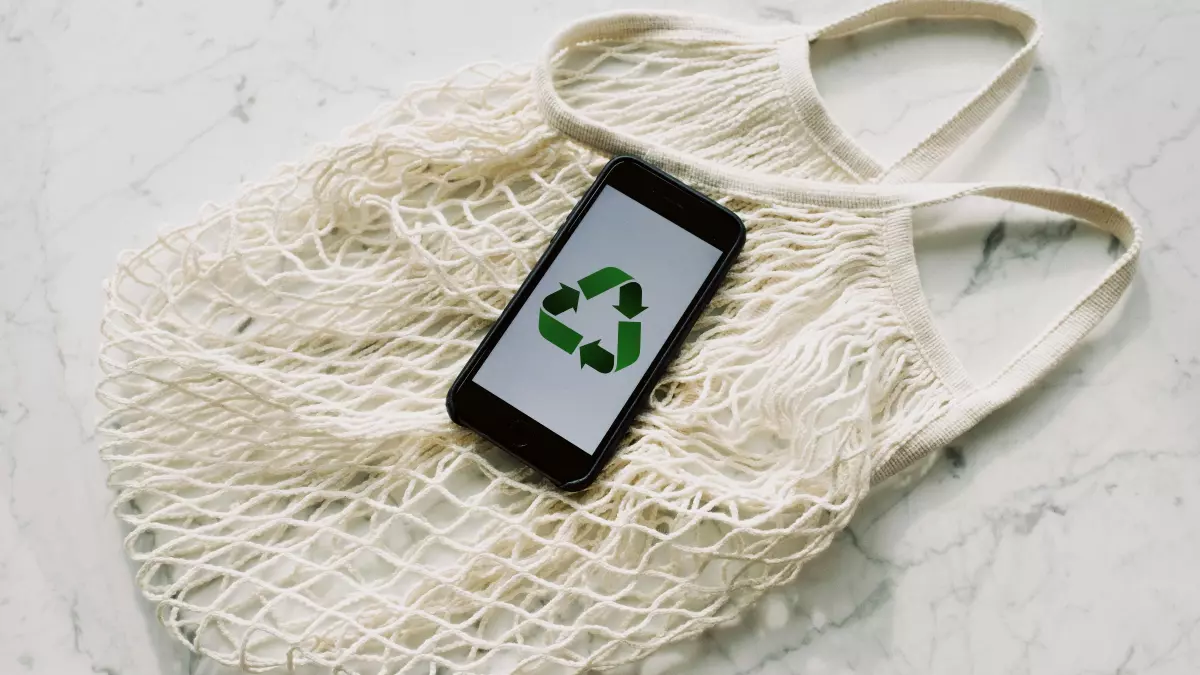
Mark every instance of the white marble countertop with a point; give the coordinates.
(1061, 536)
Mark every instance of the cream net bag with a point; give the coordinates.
(275, 372)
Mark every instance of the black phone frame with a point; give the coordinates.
(565, 464)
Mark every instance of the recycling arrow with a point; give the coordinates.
(599, 358)
(602, 280)
(629, 342)
(558, 333)
(563, 299)
(629, 332)
(630, 303)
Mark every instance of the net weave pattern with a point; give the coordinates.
(275, 374)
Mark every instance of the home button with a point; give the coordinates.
(518, 433)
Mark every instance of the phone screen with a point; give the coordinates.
(593, 325)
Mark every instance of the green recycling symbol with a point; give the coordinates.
(629, 332)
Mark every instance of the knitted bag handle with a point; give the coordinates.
(939, 144)
(796, 77)
(1049, 348)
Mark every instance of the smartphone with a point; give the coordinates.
(567, 366)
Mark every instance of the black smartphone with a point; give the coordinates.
(563, 372)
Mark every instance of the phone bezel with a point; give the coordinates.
(565, 464)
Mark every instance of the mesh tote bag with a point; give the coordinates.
(275, 372)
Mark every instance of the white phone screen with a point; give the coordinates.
(597, 319)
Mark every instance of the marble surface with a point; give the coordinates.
(1061, 536)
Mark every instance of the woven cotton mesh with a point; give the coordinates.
(275, 376)
(648, 89)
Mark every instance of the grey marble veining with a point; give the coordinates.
(1060, 536)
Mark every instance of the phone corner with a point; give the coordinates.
(741, 231)
(739, 224)
(618, 160)
(579, 484)
(600, 459)
(451, 405)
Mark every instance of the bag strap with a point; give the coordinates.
(939, 144)
(792, 43)
(1051, 347)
